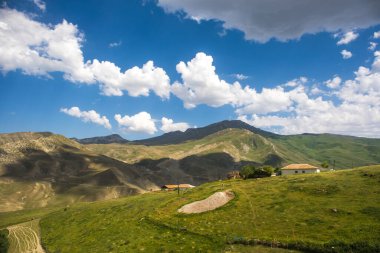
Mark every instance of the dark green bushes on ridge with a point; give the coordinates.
(250, 171)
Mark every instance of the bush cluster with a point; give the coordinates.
(4, 243)
(250, 171)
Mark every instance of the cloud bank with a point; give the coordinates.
(39, 49)
(292, 107)
(293, 18)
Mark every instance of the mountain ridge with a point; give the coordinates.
(107, 139)
(177, 137)
(199, 133)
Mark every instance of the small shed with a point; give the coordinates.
(299, 168)
(172, 187)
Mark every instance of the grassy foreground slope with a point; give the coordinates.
(328, 212)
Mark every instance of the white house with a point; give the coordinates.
(294, 169)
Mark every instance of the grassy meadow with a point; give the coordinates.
(328, 212)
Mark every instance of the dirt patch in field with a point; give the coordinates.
(25, 237)
(216, 200)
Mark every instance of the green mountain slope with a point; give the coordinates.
(330, 212)
(245, 146)
(242, 145)
(201, 132)
(347, 151)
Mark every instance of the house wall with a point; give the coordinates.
(298, 171)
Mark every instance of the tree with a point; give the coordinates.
(247, 171)
(325, 165)
(265, 171)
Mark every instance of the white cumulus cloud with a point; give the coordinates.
(346, 54)
(87, 116)
(334, 82)
(376, 35)
(280, 19)
(200, 84)
(357, 111)
(141, 122)
(347, 38)
(292, 107)
(137, 81)
(39, 49)
(168, 125)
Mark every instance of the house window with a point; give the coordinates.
(303, 171)
(296, 171)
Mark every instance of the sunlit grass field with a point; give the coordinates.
(328, 212)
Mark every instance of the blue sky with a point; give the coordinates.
(68, 77)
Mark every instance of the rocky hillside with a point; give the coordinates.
(40, 169)
(37, 169)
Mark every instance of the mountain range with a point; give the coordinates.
(177, 137)
(40, 169)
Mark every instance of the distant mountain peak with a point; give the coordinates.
(201, 132)
(178, 136)
(113, 138)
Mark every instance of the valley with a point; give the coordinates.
(112, 191)
(45, 169)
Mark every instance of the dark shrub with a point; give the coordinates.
(4, 243)
(250, 171)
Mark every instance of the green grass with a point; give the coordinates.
(120, 225)
(328, 212)
(16, 217)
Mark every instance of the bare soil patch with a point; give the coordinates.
(25, 237)
(214, 201)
